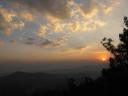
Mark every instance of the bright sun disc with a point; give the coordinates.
(103, 59)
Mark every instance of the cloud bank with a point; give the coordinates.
(58, 16)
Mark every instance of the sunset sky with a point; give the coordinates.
(52, 30)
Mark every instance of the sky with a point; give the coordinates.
(58, 30)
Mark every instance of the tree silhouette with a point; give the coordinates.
(71, 84)
(119, 58)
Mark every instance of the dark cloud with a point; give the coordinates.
(46, 43)
(49, 44)
(80, 47)
(3, 23)
(13, 41)
(56, 8)
(87, 5)
(29, 41)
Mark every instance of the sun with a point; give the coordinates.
(103, 59)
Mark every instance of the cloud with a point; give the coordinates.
(107, 6)
(78, 48)
(7, 15)
(29, 41)
(63, 9)
(13, 41)
(8, 23)
(56, 8)
(57, 16)
(42, 31)
(1, 42)
(26, 16)
(46, 43)
(5, 19)
(51, 42)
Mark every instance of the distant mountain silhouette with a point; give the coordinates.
(20, 83)
(18, 75)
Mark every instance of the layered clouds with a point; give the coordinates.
(52, 17)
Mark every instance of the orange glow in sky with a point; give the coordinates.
(103, 56)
